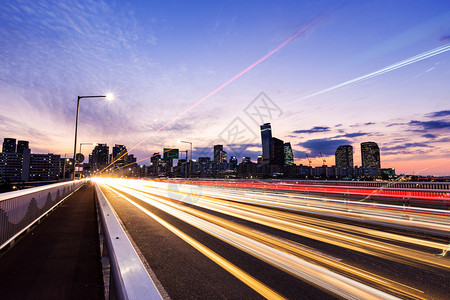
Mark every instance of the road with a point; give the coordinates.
(216, 243)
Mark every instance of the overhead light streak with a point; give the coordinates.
(229, 81)
(379, 72)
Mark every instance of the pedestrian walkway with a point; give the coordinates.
(59, 258)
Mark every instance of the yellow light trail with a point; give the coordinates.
(316, 275)
(249, 280)
(291, 247)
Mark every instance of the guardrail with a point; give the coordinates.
(19, 210)
(130, 277)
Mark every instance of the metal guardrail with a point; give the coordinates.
(19, 210)
(130, 277)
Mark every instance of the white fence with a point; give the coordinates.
(19, 210)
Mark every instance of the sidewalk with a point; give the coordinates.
(59, 258)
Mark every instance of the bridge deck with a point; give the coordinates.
(59, 258)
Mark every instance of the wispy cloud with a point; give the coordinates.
(430, 124)
(313, 130)
(438, 114)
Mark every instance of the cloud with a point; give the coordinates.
(395, 124)
(430, 124)
(352, 135)
(327, 146)
(429, 136)
(363, 124)
(314, 129)
(406, 146)
(438, 114)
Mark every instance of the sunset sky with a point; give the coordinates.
(230, 57)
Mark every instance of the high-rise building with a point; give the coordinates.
(118, 151)
(233, 160)
(9, 145)
(266, 141)
(370, 155)
(99, 156)
(344, 156)
(288, 154)
(217, 150)
(21, 145)
(277, 152)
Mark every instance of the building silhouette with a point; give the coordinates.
(344, 156)
(118, 151)
(99, 157)
(9, 145)
(288, 154)
(21, 146)
(266, 139)
(277, 152)
(370, 155)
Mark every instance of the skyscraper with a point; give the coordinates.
(21, 145)
(370, 155)
(99, 156)
(288, 155)
(266, 141)
(344, 156)
(118, 151)
(9, 145)
(277, 152)
(217, 150)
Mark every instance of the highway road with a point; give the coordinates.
(216, 242)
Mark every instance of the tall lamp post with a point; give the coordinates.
(190, 160)
(108, 97)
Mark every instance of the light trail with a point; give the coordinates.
(379, 72)
(259, 287)
(331, 281)
(280, 212)
(314, 229)
(228, 82)
(281, 244)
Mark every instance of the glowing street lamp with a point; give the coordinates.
(108, 97)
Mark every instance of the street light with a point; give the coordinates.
(190, 160)
(108, 97)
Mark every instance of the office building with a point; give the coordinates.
(370, 155)
(288, 154)
(217, 151)
(21, 146)
(266, 141)
(344, 156)
(118, 151)
(99, 157)
(9, 145)
(277, 152)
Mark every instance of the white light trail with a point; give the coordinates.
(390, 68)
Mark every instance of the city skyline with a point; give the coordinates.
(52, 53)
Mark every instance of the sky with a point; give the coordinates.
(323, 73)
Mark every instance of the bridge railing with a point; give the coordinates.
(128, 274)
(19, 210)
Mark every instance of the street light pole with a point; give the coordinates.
(190, 161)
(109, 96)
